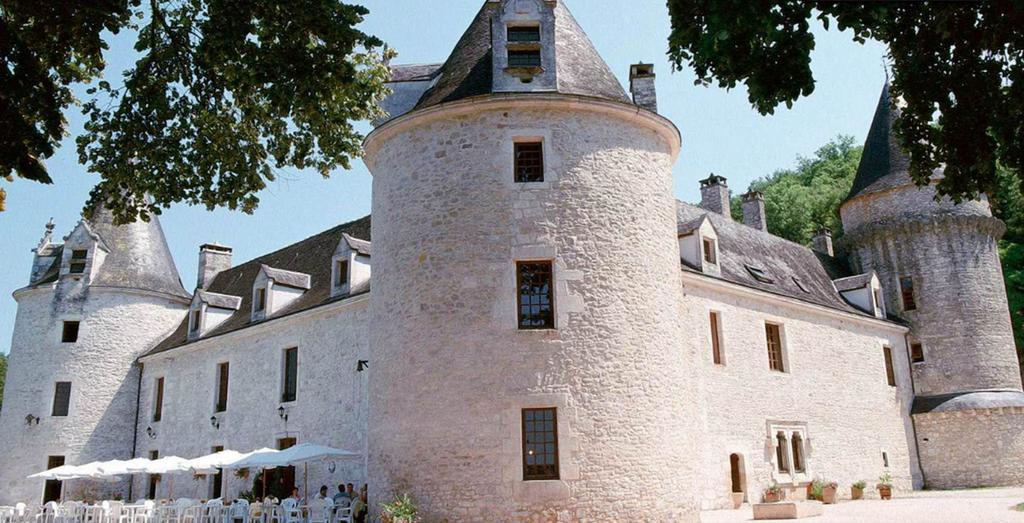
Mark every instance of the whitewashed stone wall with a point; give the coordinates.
(117, 326)
(453, 372)
(981, 447)
(330, 406)
(835, 385)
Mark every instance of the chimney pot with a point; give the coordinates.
(754, 215)
(822, 241)
(641, 86)
(213, 259)
(714, 196)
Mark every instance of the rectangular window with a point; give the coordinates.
(890, 374)
(222, 386)
(781, 457)
(529, 162)
(916, 353)
(716, 338)
(261, 300)
(524, 58)
(540, 444)
(341, 276)
(196, 316)
(158, 400)
(536, 298)
(291, 375)
(709, 251)
(907, 292)
(62, 398)
(154, 479)
(70, 332)
(52, 489)
(217, 481)
(524, 34)
(773, 334)
(798, 452)
(77, 265)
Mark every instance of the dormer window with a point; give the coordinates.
(524, 58)
(209, 311)
(340, 273)
(77, 264)
(260, 301)
(710, 251)
(197, 316)
(524, 34)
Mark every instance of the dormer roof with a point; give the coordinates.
(293, 279)
(357, 245)
(854, 282)
(220, 301)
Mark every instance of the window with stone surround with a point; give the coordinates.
(710, 251)
(781, 456)
(907, 293)
(529, 161)
(540, 444)
(535, 283)
(776, 352)
(158, 400)
(69, 332)
(916, 353)
(797, 444)
(716, 338)
(223, 372)
(524, 58)
(789, 440)
(290, 381)
(78, 258)
(524, 34)
(890, 374)
(197, 316)
(61, 399)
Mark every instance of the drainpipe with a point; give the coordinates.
(135, 429)
(913, 422)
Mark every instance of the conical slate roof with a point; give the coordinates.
(468, 72)
(139, 257)
(884, 164)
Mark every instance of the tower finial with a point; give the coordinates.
(47, 236)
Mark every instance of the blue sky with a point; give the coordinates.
(721, 134)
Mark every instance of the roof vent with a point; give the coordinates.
(759, 274)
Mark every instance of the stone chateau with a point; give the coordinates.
(539, 331)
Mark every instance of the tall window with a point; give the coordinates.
(890, 374)
(716, 338)
(907, 292)
(62, 398)
(261, 299)
(773, 333)
(222, 386)
(341, 273)
(916, 353)
(709, 251)
(69, 334)
(536, 299)
(798, 452)
(158, 402)
(154, 479)
(782, 460)
(529, 162)
(524, 58)
(519, 34)
(217, 481)
(540, 444)
(77, 265)
(196, 316)
(291, 374)
(52, 490)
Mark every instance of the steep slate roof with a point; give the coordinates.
(468, 72)
(781, 260)
(883, 165)
(138, 256)
(413, 72)
(959, 401)
(311, 256)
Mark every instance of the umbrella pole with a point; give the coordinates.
(170, 493)
(265, 494)
(305, 480)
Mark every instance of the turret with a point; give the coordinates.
(505, 209)
(93, 305)
(939, 265)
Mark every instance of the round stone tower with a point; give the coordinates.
(93, 305)
(528, 357)
(939, 264)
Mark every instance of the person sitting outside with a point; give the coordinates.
(342, 499)
(322, 495)
(360, 507)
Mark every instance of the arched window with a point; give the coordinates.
(780, 452)
(798, 452)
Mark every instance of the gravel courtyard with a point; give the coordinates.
(960, 506)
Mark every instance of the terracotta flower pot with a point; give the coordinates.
(885, 491)
(857, 493)
(828, 495)
(772, 497)
(737, 500)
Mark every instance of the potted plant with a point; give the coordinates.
(885, 486)
(815, 490)
(773, 494)
(401, 510)
(857, 490)
(828, 492)
(737, 499)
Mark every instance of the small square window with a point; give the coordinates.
(70, 332)
(519, 34)
(341, 273)
(916, 353)
(524, 58)
(529, 162)
(710, 255)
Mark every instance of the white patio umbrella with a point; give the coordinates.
(210, 463)
(61, 473)
(119, 467)
(304, 454)
(252, 460)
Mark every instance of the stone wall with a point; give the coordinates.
(834, 387)
(117, 326)
(330, 405)
(453, 372)
(978, 448)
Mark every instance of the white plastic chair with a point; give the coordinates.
(291, 513)
(343, 514)
(239, 512)
(112, 511)
(48, 514)
(6, 514)
(320, 511)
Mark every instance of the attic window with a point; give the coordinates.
(759, 274)
(77, 265)
(197, 316)
(521, 34)
(800, 284)
(341, 273)
(524, 58)
(261, 300)
(710, 251)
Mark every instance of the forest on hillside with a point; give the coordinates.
(800, 200)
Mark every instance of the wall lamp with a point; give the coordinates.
(150, 432)
(362, 365)
(215, 422)
(31, 420)
(282, 413)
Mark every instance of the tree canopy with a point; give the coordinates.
(957, 67)
(224, 94)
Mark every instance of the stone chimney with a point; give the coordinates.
(822, 241)
(641, 86)
(753, 211)
(213, 259)
(714, 195)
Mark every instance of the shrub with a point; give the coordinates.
(401, 510)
